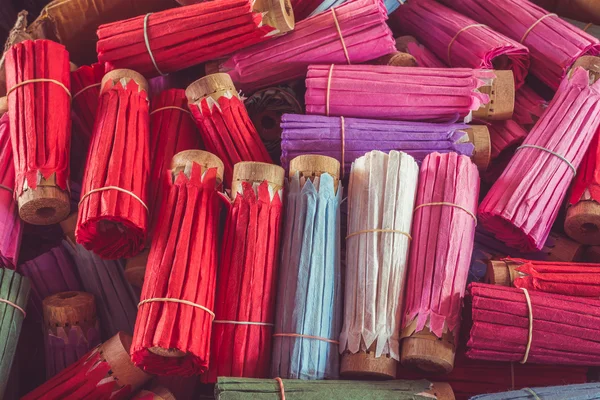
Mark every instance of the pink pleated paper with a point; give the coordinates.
(522, 205)
(425, 58)
(529, 107)
(459, 40)
(554, 44)
(352, 33)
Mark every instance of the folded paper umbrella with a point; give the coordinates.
(584, 391)
(245, 389)
(523, 203)
(172, 130)
(505, 138)
(424, 56)
(443, 231)
(71, 329)
(309, 300)
(171, 40)
(154, 393)
(511, 324)
(346, 139)
(37, 77)
(224, 124)
(247, 276)
(381, 196)
(460, 41)
(14, 292)
(106, 372)
(113, 214)
(352, 33)
(409, 94)
(553, 44)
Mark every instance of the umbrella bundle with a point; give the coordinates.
(415, 94)
(171, 40)
(37, 77)
(11, 226)
(173, 329)
(106, 372)
(14, 292)
(460, 41)
(381, 195)
(223, 121)
(113, 214)
(584, 391)
(172, 130)
(529, 107)
(523, 203)
(553, 44)
(347, 139)
(245, 297)
(70, 329)
(424, 57)
(353, 33)
(439, 263)
(309, 298)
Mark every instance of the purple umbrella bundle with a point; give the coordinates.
(347, 139)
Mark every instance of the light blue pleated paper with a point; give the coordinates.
(390, 5)
(309, 293)
(585, 391)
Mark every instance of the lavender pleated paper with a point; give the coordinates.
(309, 300)
(313, 134)
(584, 391)
(116, 302)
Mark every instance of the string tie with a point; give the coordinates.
(456, 37)
(337, 25)
(10, 303)
(343, 144)
(306, 337)
(530, 333)
(587, 27)
(379, 231)
(170, 108)
(102, 189)
(147, 40)
(86, 88)
(62, 85)
(534, 25)
(281, 390)
(171, 300)
(242, 323)
(443, 203)
(532, 146)
(328, 90)
(534, 394)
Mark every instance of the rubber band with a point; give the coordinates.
(343, 144)
(588, 26)
(114, 188)
(170, 300)
(6, 188)
(281, 390)
(147, 40)
(10, 303)
(328, 90)
(530, 334)
(532, 146)
(306, 337)
(456, 37)
(534, 24)
(170, 108)
(443, 203)
(337, 25)
(62, 85)
(242, 323)
(86, 88)
(379, 231)
(535, 396)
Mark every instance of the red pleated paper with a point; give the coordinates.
(246, 285)
(182, 265)
(113, 223)
(587, 183)
(505, 137)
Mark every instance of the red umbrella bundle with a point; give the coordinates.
(106, 372)
(172, 331)
(522, 205)
(37, 77)
(553, 44)
(172, 130)
(171, 40)
(113, 214)
(245, 299)
(511, 324)
(352, 33)
(439, 263)
(11, 226)
(460, 41)
(413, 94)
(223, 121)
(425, 58)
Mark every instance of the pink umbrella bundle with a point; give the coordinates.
(352, 33)
(410, 94)
(511, 324)
(425, 58)
(174, 39)
(460, 41)
(522, 205)
(443, 232)
(529, 107)
(553, 44)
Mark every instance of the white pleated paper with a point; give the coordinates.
(381, 196)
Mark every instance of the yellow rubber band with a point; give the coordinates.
(456, 37)
(62, 85)
(337, 25)
(102, 189)
(170, 108)
(10, 303)
(530, 333)
(170, 300)
(443, 203)
(86, 88)
(534, 25)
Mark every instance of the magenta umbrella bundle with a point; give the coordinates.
(410, 94)
(352, 33)
(553, 44)
(460, 41)
(522, 205)
(425, 58)
(511, 324)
